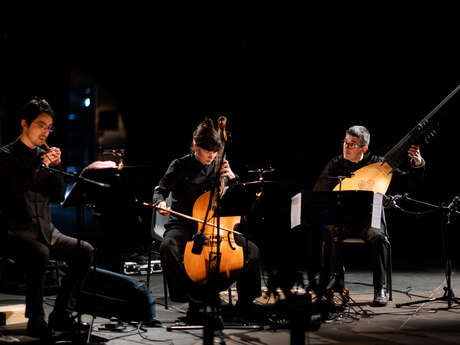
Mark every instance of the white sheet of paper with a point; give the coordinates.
(377, 210)
(296, 207)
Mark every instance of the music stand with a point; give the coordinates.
(81, 194)
(78, 196)
(446, 213)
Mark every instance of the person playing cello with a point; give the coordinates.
(187, 178)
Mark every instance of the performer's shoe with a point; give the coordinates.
(62, 321)
(380, 298)
(38, 328)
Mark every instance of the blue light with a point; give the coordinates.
(72, 169)
(72, 117)
(87, 102)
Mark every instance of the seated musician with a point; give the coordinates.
(355, 156)
(187, 178)
(30, 237)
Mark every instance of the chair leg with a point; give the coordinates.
(90, 330)
(389, 271)
(58, 277)
(165, 291)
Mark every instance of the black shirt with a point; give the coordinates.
(27, 189)
(186, 179)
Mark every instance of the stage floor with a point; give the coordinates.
(360, 323)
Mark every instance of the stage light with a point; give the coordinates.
(87, 102)
(72, 117)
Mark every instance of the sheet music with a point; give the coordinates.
(377, 210)
(296, 206)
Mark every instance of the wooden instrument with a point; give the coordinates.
(221, 256)
(46, 145)
(376, 177)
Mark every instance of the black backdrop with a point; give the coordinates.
(289, 80)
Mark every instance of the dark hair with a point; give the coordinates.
(35, 107)
(206, 136)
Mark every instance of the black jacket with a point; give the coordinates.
(186, 179)
(26, 191)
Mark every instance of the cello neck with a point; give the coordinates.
(222, 122)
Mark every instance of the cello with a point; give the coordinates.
(220, 256)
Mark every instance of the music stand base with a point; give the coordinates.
(196, 327)
(213, 326)
(448, 297)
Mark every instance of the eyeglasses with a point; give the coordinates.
(351, 145)
(44, 127)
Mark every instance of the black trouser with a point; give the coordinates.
(333, 259)
(183, 289)
(32, 253)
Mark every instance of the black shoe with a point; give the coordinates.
(38, 328)
(380, 298)
(61, 321)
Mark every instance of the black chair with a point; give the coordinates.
(157, 231)
(389, 267)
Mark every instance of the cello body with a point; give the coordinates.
(224, 259)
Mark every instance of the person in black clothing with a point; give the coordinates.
(29, 236)
(355, 156)
(186, 179)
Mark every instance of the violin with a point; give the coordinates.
(220, 256)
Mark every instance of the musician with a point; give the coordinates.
(356, 155)
(28, 235)
(187, 178)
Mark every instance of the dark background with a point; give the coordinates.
(290, 81)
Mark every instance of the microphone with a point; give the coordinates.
(453, 203)
(341, 177)
(348, 175)
(198, 242)
(391, 200)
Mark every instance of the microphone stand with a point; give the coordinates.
(446, 212)
(214, 322)
(75, 176)
(328, 280)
